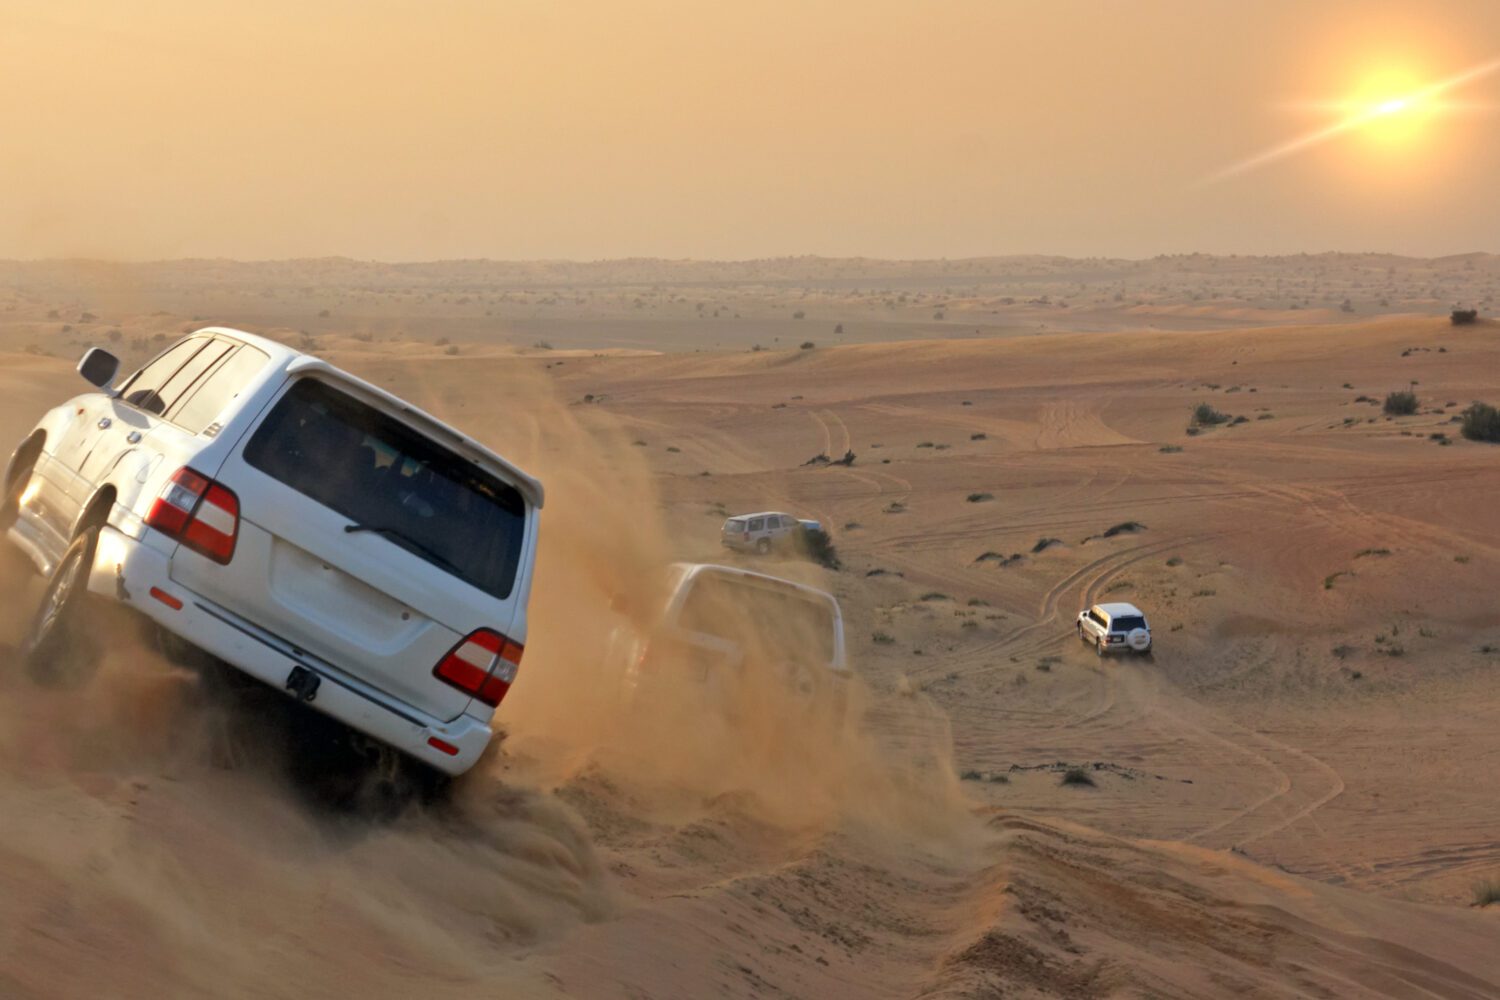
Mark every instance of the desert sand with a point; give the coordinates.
(1293, 797)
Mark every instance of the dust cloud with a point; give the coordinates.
(160, 832)
(601, 585)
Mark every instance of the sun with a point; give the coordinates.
(1390, 109)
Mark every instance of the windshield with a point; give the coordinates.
(388, 478)
(1127, 623)
(777, 622)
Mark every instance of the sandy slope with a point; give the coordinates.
(1282, 807)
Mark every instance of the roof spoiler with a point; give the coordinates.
(530, 488)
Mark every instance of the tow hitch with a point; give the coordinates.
(303, 684)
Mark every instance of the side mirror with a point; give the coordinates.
(99, 368)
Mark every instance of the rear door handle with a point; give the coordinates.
(134, 437)
(104, 423)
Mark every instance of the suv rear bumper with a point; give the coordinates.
(1125, 647)
(134, 573)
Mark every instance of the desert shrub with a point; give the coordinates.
(882, 639)
(819, 548)
(799, 314)
(1402, 403)
(1170, 449)
(1077, 776)
(1486, 892)
(979, 436)
(979, 497)
(1463, 317)
(1481, 422)
(1204, 415)
(1124, 528)
(935, 595)
(1045, 543)
(808, 345)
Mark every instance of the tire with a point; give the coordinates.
(57, 649)
(763, 547)
(1099, 648)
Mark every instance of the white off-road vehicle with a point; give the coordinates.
(291, 521)
(760, 533)
(717, 621)
(1115, 628)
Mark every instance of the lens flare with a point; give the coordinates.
(1389, 109)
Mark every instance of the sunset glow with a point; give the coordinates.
(1390, 109)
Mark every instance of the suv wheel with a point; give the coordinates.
(763, 546)
(1099, 646)
(57, 649)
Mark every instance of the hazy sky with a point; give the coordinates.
(591, 128)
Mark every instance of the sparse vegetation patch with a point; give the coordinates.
(1402, 403)
(1481, 422)
(1204, 415)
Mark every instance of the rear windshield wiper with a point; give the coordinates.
(405, 540)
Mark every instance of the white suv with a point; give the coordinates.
(292, 521)
(1115, 628)
(718, 621)
(763, 532)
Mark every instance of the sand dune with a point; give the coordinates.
(1292, 799)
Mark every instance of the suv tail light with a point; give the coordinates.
(484, 664)
(199, 513)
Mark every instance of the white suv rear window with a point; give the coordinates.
(393, 481)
